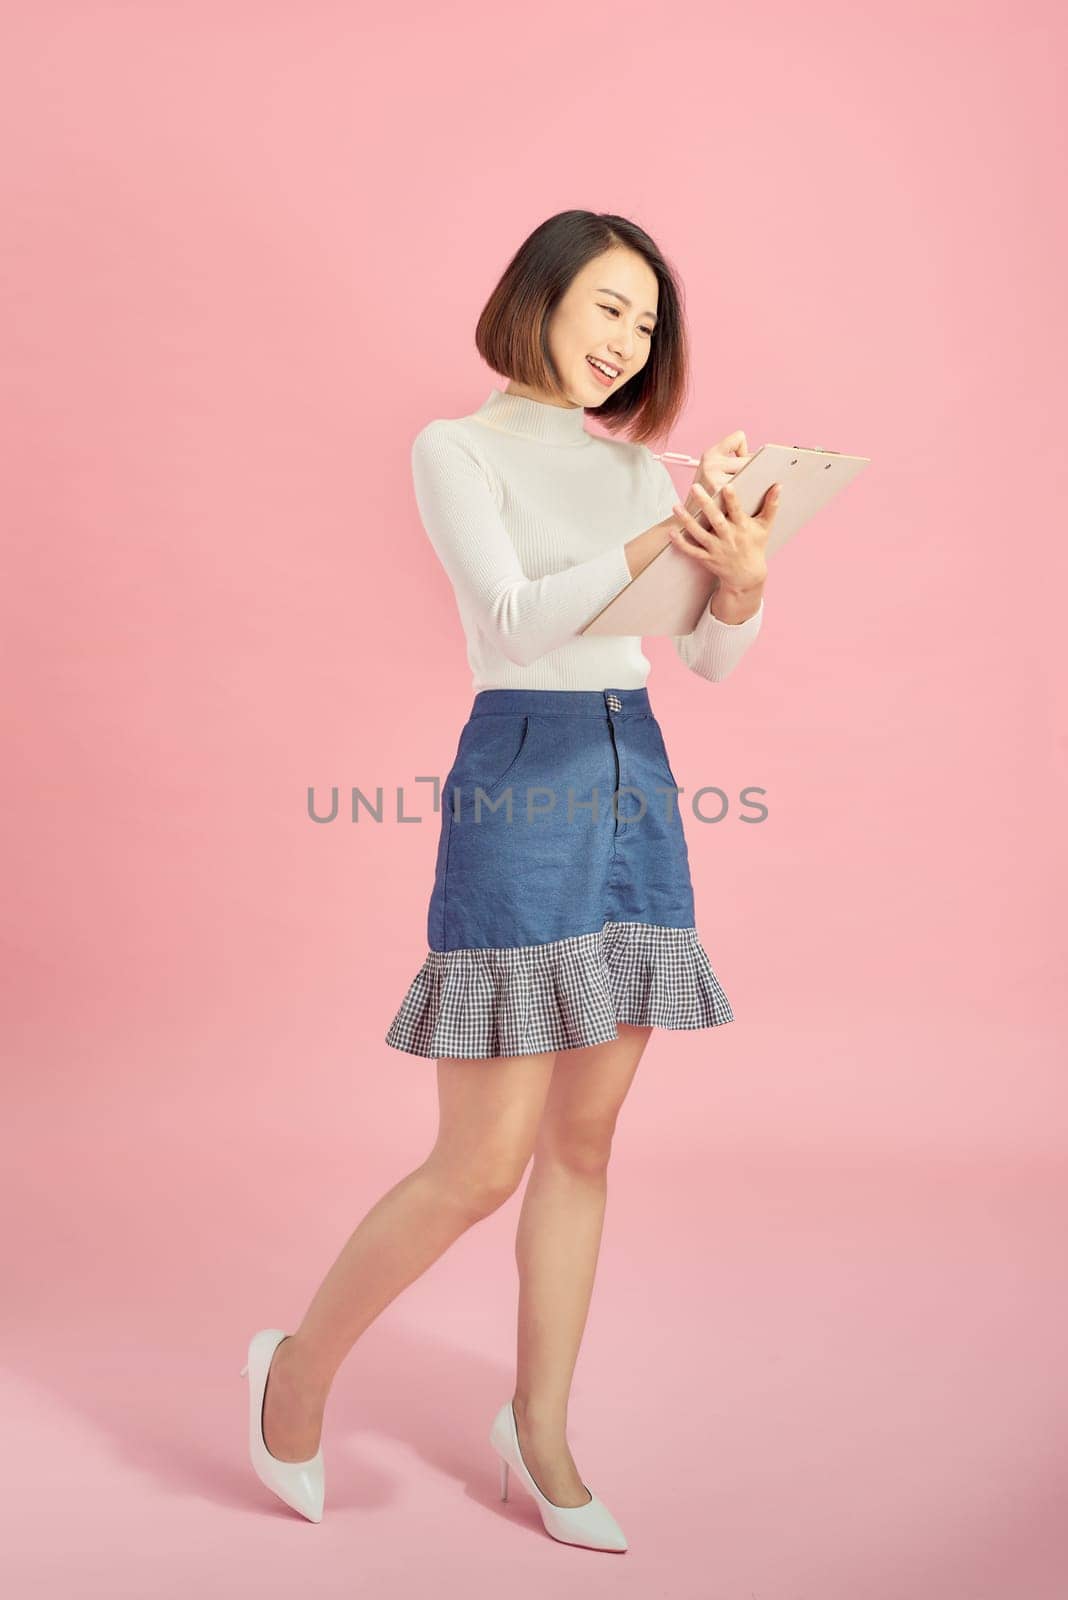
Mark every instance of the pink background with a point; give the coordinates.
(247, 247)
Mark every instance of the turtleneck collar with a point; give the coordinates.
(535, 419)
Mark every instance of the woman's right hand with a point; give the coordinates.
(719, 463)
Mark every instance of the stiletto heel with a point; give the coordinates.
(300, 1484)
(591, 1525)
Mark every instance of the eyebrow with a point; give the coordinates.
(625, 301)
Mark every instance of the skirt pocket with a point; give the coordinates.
(490, 753)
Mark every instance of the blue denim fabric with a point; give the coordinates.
(511, 868)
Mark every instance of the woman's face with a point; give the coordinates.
(608, 313)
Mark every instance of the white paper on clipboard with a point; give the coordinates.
(668, 597)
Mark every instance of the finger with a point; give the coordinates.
(708, 505)
(700, 544)
(692, 528)
(687, 518)
(734, 444)
(732, 505)
(770, 503)
(736, 463)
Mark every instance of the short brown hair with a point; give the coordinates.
(512, 332)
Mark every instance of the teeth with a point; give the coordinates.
(609, 372)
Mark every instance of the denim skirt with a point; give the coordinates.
(562, 902)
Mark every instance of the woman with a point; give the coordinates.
(561, 921)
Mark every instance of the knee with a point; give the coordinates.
(481, 1186)
(583, 1147)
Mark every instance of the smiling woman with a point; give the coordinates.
(560, 925)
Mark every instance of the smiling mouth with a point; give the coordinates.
(604, 376)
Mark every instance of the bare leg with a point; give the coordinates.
(557, 1244)
(489, 1112)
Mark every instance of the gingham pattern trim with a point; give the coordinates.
(563, 995)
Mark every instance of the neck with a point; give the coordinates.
(546, 420)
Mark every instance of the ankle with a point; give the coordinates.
(296, 1367)
(541, 1422)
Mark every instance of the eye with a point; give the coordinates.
(616, 312)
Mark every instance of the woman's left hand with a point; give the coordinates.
(733, 546)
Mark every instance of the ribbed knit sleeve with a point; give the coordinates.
(714, 648)
(527, 617)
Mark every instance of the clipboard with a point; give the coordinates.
(669, 595)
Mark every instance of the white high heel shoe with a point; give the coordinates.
(299, 1483)
(591, 1525)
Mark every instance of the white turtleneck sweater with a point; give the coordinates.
(529, 515)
